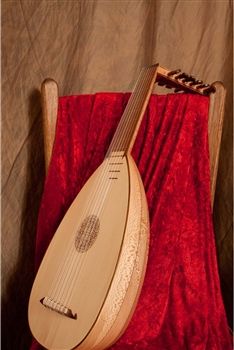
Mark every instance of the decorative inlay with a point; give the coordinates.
(87, 233)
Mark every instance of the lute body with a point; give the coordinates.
(89, 281)
(94, 282)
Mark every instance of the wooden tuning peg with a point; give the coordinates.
(161, 83)
(197, 82)
(173, 72)
(202, 86)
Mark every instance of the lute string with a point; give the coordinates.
(126, 129)
(141, 87)
(100, 187)
(97, 201)
(100, 204)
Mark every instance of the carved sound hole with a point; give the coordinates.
(87, 233)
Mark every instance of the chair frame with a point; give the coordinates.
(171, 79)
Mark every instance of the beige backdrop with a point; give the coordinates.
(90, 46)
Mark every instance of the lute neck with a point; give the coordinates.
(129, 124)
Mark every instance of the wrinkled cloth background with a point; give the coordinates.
(90, 46)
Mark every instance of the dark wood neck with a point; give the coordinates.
(126, 131)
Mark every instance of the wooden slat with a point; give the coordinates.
(49, 94)
(216, 116)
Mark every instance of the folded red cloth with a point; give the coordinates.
(180, 306)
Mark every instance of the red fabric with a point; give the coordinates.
(180, 306)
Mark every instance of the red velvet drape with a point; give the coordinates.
(180, 306)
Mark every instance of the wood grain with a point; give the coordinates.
(215, 126)
(49, 95)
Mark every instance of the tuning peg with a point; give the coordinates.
(173, 72)
(209, 90)
(178, 89)
(180, 76)
(197, 82)
(161, 83)
(181, 81)
(202, 86)
(189, 79)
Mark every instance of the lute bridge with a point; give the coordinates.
(57, 307)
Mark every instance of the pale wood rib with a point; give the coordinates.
(129, 275)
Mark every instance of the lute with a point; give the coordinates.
(88, 283)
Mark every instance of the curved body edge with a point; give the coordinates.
(127, 283)
(90, 278)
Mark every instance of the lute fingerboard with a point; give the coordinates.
(126, 131)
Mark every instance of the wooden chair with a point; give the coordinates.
(171, 79)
